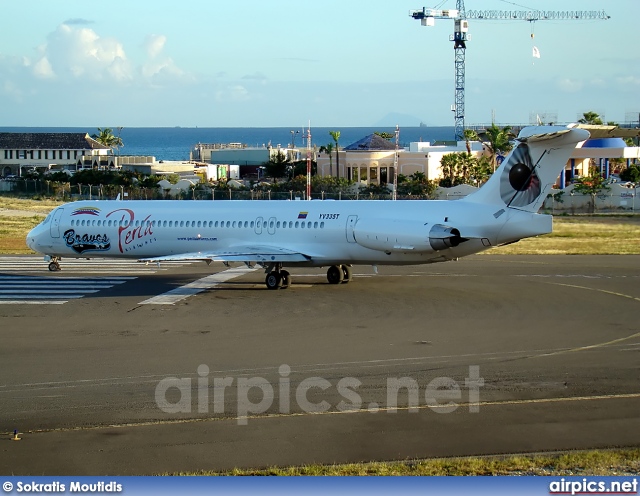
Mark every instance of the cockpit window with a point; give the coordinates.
(46, 219)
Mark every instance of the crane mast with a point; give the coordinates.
(460, 37)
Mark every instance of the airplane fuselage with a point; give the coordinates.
(327, 232)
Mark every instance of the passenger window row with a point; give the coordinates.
(203, 224)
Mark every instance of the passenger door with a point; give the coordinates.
(351, 224)
(55, 223)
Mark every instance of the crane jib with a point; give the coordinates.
(460, 37)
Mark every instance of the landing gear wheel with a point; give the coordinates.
(273, 280)
(54, 266)
(335, 274)
(286, 279)
(346, 271)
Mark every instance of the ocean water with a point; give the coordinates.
(175, 143)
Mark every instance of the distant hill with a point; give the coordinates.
(394, 118)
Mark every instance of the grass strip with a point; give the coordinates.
(597, 462)
(42, 206)
(582, 235)
(13, 233)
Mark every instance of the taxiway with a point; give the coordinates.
(550, 344)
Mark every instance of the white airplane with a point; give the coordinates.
(333, 234)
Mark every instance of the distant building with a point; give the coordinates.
(371, 160)
(249, 158)
(25, 151)
(239, 153)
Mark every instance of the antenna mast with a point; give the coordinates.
(395, 166)
(309, 162)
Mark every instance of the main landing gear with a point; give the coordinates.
(277, 278)
(54, 264)
(339, 274)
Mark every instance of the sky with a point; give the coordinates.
(258, 63)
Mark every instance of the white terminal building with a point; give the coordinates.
(371, 159)
(22, 152)
(25, 151)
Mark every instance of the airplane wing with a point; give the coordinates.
(265, 254)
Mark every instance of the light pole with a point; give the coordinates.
(395, 166)
(293, 138)
(120, 128)
(309, 162)
(293, 146)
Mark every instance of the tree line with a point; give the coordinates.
(457, 168)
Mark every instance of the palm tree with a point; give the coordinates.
(466, 164)
(336, 136)
(497, 141)
(469, 136)
(107, 138)
(458, 168)
(590, 118)
(481, 171)
(328, 149)
(448, 164)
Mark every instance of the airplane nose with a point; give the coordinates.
(31, 240)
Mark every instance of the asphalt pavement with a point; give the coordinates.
(491, 354)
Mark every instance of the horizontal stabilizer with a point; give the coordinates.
(542, 133)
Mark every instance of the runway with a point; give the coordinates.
(152, 369)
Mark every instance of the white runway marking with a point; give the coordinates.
(35, 285)
(36, 263)
(29, 302)
(52, 281)
(52, 290)
(29, 292)
(183, 292)
(23, 291)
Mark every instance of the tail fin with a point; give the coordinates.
(531, 169)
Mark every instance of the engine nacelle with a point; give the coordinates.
(393, 236)
(442, 237)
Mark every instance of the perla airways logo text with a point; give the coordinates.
(131, 234)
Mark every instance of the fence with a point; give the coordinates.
(67, 192)
(574, 203)
(565, 203)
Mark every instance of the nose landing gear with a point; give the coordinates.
(54, 264)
